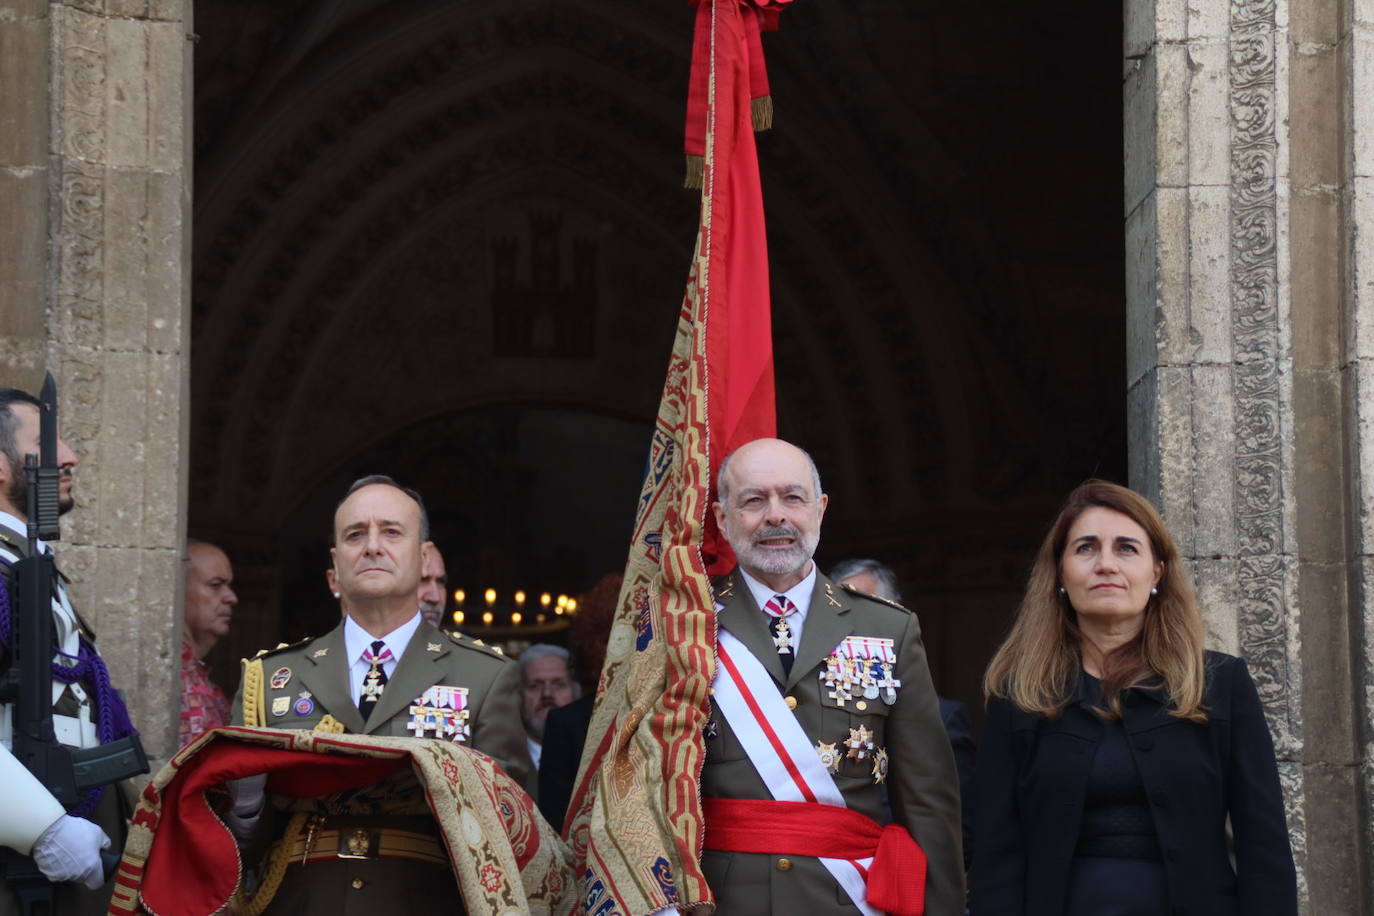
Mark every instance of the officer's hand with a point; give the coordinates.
(69, 850)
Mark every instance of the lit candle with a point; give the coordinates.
(520, 599)
(487, 618)
(459, 617)
(490, 596)
(516, 617)
(459, 596)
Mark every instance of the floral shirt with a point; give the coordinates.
(203, 704)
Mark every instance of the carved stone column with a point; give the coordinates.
(1240, 398)
(95, 187)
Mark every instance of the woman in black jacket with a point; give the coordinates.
(1116, 750)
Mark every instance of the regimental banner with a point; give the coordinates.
(635, 821)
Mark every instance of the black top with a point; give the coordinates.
(1116, 811)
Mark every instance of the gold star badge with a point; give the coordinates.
(830, 758)
(319, 653)
(880, 765)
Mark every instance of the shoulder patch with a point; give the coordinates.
(282, 647)
(878, 598)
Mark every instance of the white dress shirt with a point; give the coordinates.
(356, 640)
(799, 595)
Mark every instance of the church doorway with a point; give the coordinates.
(448, 242)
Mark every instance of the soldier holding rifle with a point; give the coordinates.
(65, 733)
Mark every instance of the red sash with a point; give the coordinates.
(896, 880)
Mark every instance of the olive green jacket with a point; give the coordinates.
(922, 785)
(320, 666)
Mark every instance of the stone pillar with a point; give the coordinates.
(1353, 59)
(1239, 393)
(95, 182)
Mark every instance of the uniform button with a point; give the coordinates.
(784, 865)
(358, 884)
(861, 705)
(791, 702)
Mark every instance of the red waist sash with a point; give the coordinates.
(896, 880)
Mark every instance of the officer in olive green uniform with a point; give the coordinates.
(309, 680)
(917, 766)
(879, 732)
(428, 684)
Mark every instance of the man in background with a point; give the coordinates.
(874, 578)
(433, 591)
(210, 602)
(546, 683)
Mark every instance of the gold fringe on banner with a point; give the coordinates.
(762, 112)
(696, 172)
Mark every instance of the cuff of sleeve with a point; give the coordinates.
(29, 807)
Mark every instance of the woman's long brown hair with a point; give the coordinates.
(1037, 666)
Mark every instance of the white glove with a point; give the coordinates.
(69, 850)
(249, 794)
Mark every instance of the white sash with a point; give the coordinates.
(779, 749)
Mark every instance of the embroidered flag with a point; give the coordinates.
(635, 821)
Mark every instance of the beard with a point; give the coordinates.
(18, 494)
(771, 560)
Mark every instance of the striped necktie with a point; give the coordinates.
(375, 679)
(778, 609)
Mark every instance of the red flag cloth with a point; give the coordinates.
(741, 402)
(896, 880)
(204, 882)
(757, 16)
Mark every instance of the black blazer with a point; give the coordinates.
(955, 716)
(1032, 777)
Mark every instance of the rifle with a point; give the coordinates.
(66, 772)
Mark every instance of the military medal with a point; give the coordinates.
(304, 705)
(860, 743)
(372, 686)
(880, 766)
(830, 758)
(783, 639)
(440, 712)
(280, 705)
(280, 678)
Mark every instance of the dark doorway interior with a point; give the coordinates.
(423, 228)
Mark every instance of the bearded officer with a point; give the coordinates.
(382, 671)
(822, 696)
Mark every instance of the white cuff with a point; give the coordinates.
(29, 807)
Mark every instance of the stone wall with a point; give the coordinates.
(1242, 391)
(95, 185)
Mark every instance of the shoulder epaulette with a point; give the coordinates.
(878, 598)
(282, 646)
(472, 642)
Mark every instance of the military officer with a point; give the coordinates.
(382, 671)
(66, 848)
(821, 697)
